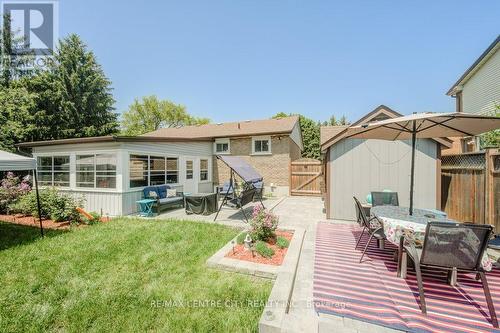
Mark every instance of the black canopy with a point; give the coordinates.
(241, 168)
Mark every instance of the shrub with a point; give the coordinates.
(282, 242)
(241, 238)
(96, 218)
(263, 224)
(54, 205)
(12, 188)
(264, 250)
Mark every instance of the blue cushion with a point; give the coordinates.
(162, 191)
(150, 189)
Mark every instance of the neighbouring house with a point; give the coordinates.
(355, 167)
(477, 91)
(110, 172)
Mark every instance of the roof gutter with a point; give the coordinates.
(101, 139)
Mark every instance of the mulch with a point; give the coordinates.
(32, 221)
(239, 252)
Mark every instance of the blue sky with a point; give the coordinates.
(233, 60)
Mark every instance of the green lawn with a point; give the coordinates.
(112, 277)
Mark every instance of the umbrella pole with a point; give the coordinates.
(38, 202)
(412, 177)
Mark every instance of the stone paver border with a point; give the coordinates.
(219, 261)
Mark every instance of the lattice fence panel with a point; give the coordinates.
(464, 161)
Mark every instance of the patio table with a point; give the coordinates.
(146, 207)
(397, 223)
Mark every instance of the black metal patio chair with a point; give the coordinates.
(372, 226)
(385, 199)
(452, 246)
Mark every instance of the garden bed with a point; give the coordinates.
(32, 221)
(239, 251)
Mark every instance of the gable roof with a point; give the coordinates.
(328, 132)
(487, 54)
(283, 125)
(333, 134)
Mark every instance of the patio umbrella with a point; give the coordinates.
(424, 126)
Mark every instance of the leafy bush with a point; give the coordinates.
(263, 224)
(241, 238)
(12, 188)
(264, 250)
(54, 205)
(282, 242)
(96, 218)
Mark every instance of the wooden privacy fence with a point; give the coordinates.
(470, 187)
(306, 177)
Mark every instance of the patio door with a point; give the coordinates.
(190, 176)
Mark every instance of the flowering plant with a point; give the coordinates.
(263, 224)
(12, 188)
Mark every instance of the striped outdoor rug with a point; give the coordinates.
(372, 292)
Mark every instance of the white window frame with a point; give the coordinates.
(223, 140)
(261, 138)
(177, 157)
(209, 178)
(53, 171)
(96, 173)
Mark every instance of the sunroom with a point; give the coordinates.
(109, 173)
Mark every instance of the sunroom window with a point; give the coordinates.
(96, 171)
(53, 170)
(146, 170)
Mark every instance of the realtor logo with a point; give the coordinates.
(34, 22)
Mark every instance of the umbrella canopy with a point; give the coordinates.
(424, 126)
(11, 162)
(427, 125)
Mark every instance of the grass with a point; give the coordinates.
(126, 275)
(12, 235)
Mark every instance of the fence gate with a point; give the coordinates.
(470, 187)
(306, 177)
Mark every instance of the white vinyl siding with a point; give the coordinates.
(122, 199)
(482, 90)
(358, 167)
(296, 136)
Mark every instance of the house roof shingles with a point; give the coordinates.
(207, 132)
(233, 129)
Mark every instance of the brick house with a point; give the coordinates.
(268, 145)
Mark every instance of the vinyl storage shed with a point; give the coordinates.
(355, 167)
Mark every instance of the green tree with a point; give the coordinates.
(334, 122)
(491, 139)
(310, 135)
(82, 92)
(151, 114)
(15, 61)
(16, 109)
